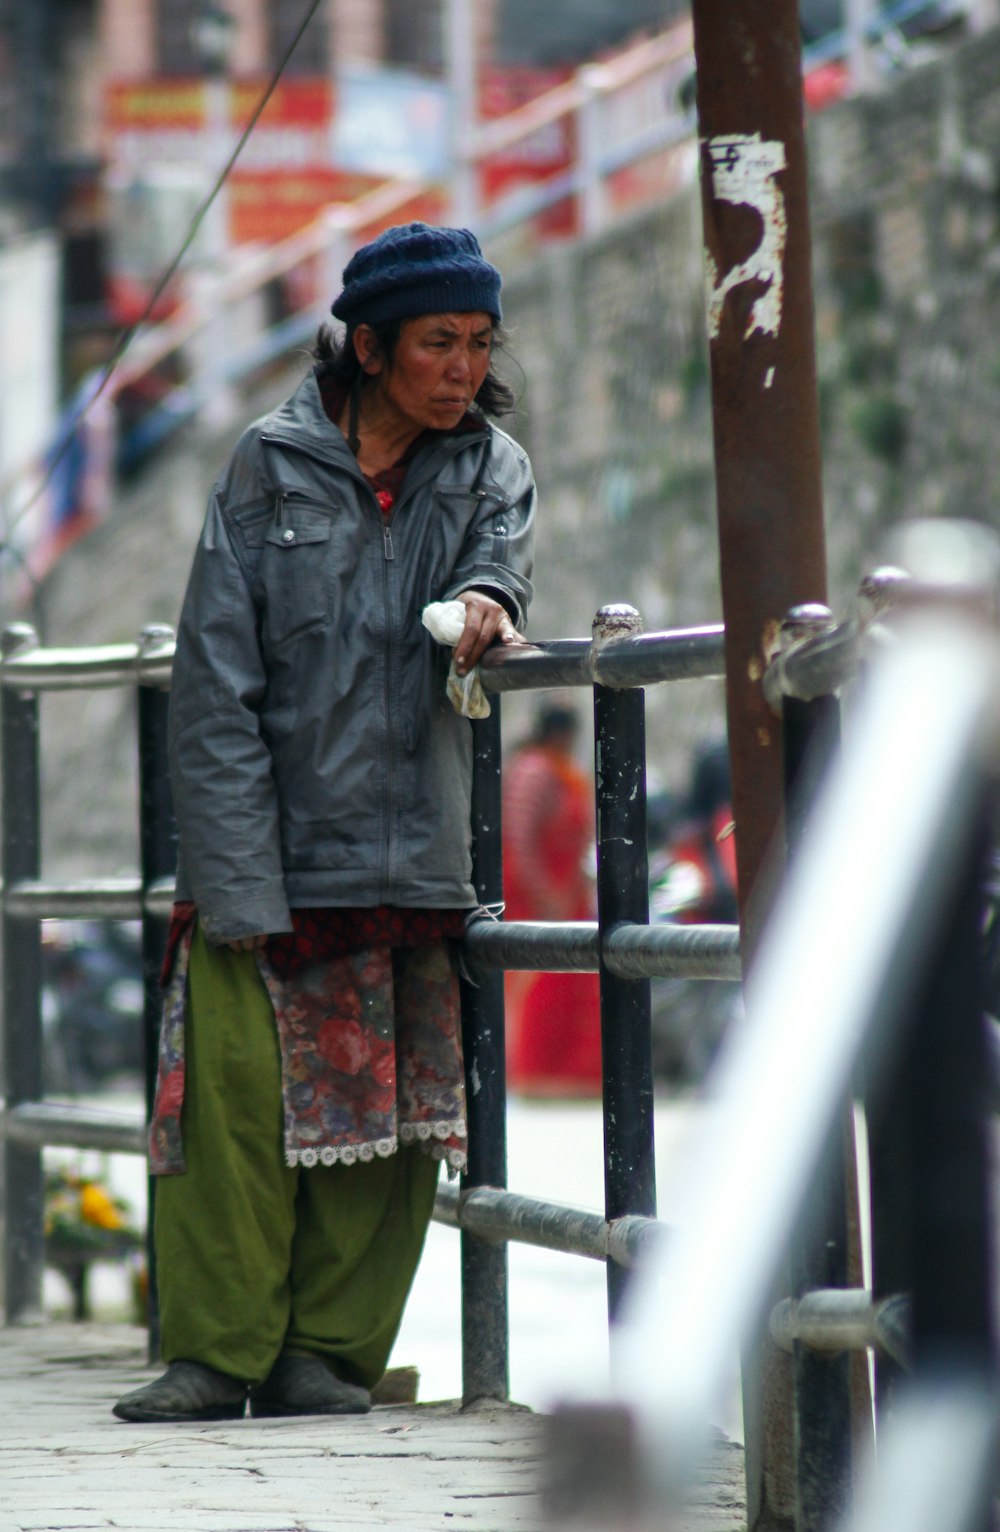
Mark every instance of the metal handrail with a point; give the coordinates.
(678, 654)
(629, 951)
(36, 1124)
(27, 666)
(619, 658)
(496, 1214)
(881, 860)
(844, 961)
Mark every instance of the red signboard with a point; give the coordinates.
(284, 175)
(166, 140)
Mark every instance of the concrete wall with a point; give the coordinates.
(616, 409)
(906, 234)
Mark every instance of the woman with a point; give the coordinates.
(310, 1073)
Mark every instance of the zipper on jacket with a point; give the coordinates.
(388, 556)
(446, 491)
(297, 497)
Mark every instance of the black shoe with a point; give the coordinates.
(186, 1391)
(305, 1385)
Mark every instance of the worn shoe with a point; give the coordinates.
(305, 1385)
(186, 1391)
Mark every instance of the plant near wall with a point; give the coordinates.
(84, 1223)
(879, 420)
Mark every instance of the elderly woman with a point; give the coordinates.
(310, 1077)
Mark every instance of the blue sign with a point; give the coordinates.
(391, 123)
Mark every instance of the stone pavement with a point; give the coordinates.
(66, 1465)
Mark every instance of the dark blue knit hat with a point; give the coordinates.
(414, 269)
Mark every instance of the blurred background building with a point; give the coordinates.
(564, 133)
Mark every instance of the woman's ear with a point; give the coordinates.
(367, 350)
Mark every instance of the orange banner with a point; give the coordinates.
(271, 205)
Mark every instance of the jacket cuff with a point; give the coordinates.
(497, 592)
(269, 916)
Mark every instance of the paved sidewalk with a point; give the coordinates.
(66, 1465)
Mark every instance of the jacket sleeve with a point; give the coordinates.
(220, 767)
(498, 553)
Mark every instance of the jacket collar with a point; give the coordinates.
(302, 423)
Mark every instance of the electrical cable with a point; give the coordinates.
(128, 334)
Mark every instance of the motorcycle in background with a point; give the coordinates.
(92, 1004)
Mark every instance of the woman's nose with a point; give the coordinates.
(460, 365)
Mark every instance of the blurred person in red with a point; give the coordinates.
(553, 1020)
(704, 845)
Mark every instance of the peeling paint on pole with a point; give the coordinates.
(744, 171)
(765, 415)
(765, 423)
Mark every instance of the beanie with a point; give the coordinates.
(414, 269)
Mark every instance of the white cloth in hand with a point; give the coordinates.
(445, 621)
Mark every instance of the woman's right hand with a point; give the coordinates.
(247, 943)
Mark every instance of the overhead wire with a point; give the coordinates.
(129, 333)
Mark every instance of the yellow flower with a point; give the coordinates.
(96, 1207)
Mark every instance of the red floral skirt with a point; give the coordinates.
(370, 1037)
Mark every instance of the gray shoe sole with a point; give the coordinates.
(138, 1413)
(304, 1385)
(186, 1391)
(263, 1409)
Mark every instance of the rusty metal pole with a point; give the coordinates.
(767, 459)
(764, 406)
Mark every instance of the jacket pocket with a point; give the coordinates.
(295, 577)
(487, 512)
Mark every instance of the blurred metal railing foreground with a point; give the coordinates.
(867, 983)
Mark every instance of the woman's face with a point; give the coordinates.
(438, 367)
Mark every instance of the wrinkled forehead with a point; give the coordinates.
(474, 323)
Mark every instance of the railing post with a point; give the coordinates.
(158, 859)
(953, 1320)
(485, 1327)
(23, 1182)
(589, 147)
(460, 57)
(336, 251)
(931, 1157)
(623, 895)
(929, 1125)
(209, 348)
(824, 1249)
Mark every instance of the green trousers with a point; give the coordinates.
(253, 1257)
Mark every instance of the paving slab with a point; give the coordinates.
(66, 1464)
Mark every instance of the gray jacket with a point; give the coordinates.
(314, 757)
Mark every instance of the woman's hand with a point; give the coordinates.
(486, 622)
(247, 943)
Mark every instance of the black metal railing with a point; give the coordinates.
(868, 985)
(617, 662)
(784, 1087)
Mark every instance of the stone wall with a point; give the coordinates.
(616, 409)
(609, 336)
